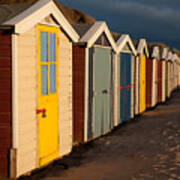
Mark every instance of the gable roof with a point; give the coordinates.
(169, 56)
(93, 32)
(164, 53)
(155, 52)
(142, 47)
(123, 40)
(26, 16)
(81, 29)
(8, 11)
(175, 57)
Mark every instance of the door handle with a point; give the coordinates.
(105, 91)
(43, 111)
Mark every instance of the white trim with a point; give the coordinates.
(141, 46)
(38, 11)
(123, 40)
(115, 62)
(132, 83)
(137, 85)
(15, 122)
(101, 46)
(86, 94)
(48, 24)
(95, 31)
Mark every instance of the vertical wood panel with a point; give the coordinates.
(78, 92)
(5, 103)
(149, 74)
(159, 81)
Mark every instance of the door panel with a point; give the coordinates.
(47, 94)
(125, 86)
(122, 87)
(142, 107)
(128, 86)
(101, 91)
(118, 90)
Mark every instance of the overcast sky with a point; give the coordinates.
(155, 20)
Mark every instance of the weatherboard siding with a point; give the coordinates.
(27, 101)
(5, 102)
(65, 94)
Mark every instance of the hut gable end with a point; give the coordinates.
(103, 40)
(126, 48)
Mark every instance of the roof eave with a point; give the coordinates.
(36, 13)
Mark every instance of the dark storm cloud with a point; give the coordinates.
(156, 20)
(151, 10)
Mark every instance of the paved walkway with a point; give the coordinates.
(147, 148)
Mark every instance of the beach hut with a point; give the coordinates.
(164, 57)
(93, 74)
(143, 54)
(124, 80)
(175, 59)
(178, 70)
(152, 77)
(36, 86)
(168, 69)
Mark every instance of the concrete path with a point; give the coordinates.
(147, 148)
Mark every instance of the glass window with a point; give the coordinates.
(44, 79)
(52, 78)
(44, 46)
(52, 49)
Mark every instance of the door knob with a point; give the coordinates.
(43, 111)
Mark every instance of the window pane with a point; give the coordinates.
(52, 78)
(44, 80)
(44, 47)
(52, 49)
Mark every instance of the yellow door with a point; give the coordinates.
(142, 87)
(47, 111)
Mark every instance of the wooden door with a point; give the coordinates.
(142, 87)
(47, 94)
(149, 77)
(101, 91)
(125, 86)
(128, 85)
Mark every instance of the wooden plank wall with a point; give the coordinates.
(78, 92)
(27, 101)
(65, 94)
(149, 64)
(160, 81)
(5, 102)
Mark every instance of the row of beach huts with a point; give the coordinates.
(62, 84)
